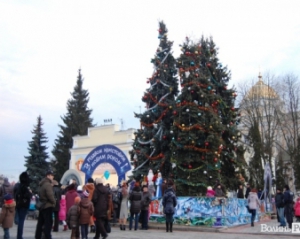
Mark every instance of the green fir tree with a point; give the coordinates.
(151, 147)
(205, 119)
(76, 121)
(36, 163)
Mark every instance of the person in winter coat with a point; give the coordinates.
(101, 206)
(22, 198)
(288, 198)
(46, 197)
(219, 192)
(210, 193)
(7, 214)
(135, 199)
(280, 207)
(5, 188)
(86, 208)
(116, 204)
(71, 194)
(169, 203)
(57, 196)
(62, 215)
(240, 192)
(73, 218)
(254, 204)
(248, 190)
(297, 209)
(90, 186)
(146, 200)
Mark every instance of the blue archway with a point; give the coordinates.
(106, 154)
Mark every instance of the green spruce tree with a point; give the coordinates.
(205, 119)
(256, 170)
(75, 122)
(36, 163)
(151, 147)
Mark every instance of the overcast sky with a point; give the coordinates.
(44, 43)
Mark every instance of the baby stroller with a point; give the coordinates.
(32, 212)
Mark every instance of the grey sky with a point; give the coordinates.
(43, 43)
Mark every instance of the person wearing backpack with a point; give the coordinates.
(169, 203)
(288, 197)
(22, 196)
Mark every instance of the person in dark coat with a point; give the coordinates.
(22, 197)
(169, 203)
(57, 196)
(279, 201)
(101, 205)
(240, 192)
(146, 200)
(135, 199)
(288, 197)
(248, 190)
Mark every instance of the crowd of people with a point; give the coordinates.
(92, 207)
(81, 209)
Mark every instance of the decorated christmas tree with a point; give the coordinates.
(151, 147)
(204, 130)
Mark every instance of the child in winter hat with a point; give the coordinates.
(7, 214)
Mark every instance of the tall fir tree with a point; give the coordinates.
(75, 122)
(36, 163)
(205, 134)
(256, 165)
(151, 145)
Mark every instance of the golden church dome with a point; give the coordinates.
(261, 90)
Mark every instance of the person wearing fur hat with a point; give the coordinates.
(90, 186)
(100, 200)
(73, 218)
(210, 193)
(22, 198)
(7, 214)
(86, 208)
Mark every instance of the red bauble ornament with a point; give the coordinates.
(215, 159)
(206, 143)
(225, 87)
(192, 92)
(164, 137)
(174, 112)
(208, 64)
(179, 139)
(196, 75)
(203, 158)
(159, 30)
(190, 166)
(232, 108)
